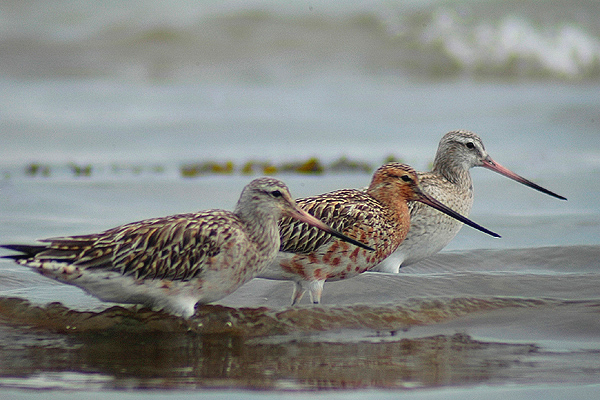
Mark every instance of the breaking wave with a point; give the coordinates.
(514, 46)
(280, 41)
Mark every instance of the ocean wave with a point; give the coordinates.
(259, 321)
(514, 46)
(271, 42)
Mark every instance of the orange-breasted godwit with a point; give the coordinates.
(450, 182)
(378, 217)
(173, 263)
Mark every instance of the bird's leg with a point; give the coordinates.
(297, 293)
(315, 289)
(391, 265)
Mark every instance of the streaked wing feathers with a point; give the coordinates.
(341, 210)
(175, 247)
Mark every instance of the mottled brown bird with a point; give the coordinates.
(378, 217)
(175, 262)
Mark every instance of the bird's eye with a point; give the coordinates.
(406, 178)
(276, 193)
(470, 145)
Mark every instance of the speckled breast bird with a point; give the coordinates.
(450, 182)
(173, 263)
(378, 217)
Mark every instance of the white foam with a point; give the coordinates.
(514, 43)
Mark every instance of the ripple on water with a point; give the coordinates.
(302, 348)
(255, 321)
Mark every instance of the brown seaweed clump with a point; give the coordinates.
(311, 166)
(344, 164)
(81, 170)
(36, 169)
(209, 167)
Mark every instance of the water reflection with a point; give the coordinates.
(167, 353)
(162, 360)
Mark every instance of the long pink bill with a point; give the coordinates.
(303, 216)
(430, 201)
(494, 166)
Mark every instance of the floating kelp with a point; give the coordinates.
(36, 169)
(209, 167)
(310, 166)
(258, 167)
(81, 170)
(344, 164)
(136, 169)
(392, 158)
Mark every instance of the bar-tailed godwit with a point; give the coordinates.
(173, 263)
(378, 217)
(450, 182)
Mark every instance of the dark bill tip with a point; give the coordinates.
(430, 201)
(494, 166)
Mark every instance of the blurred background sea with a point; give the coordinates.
(113, 112)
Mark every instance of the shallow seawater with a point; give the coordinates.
(464, 319)
(123, 113)
(128, 358)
